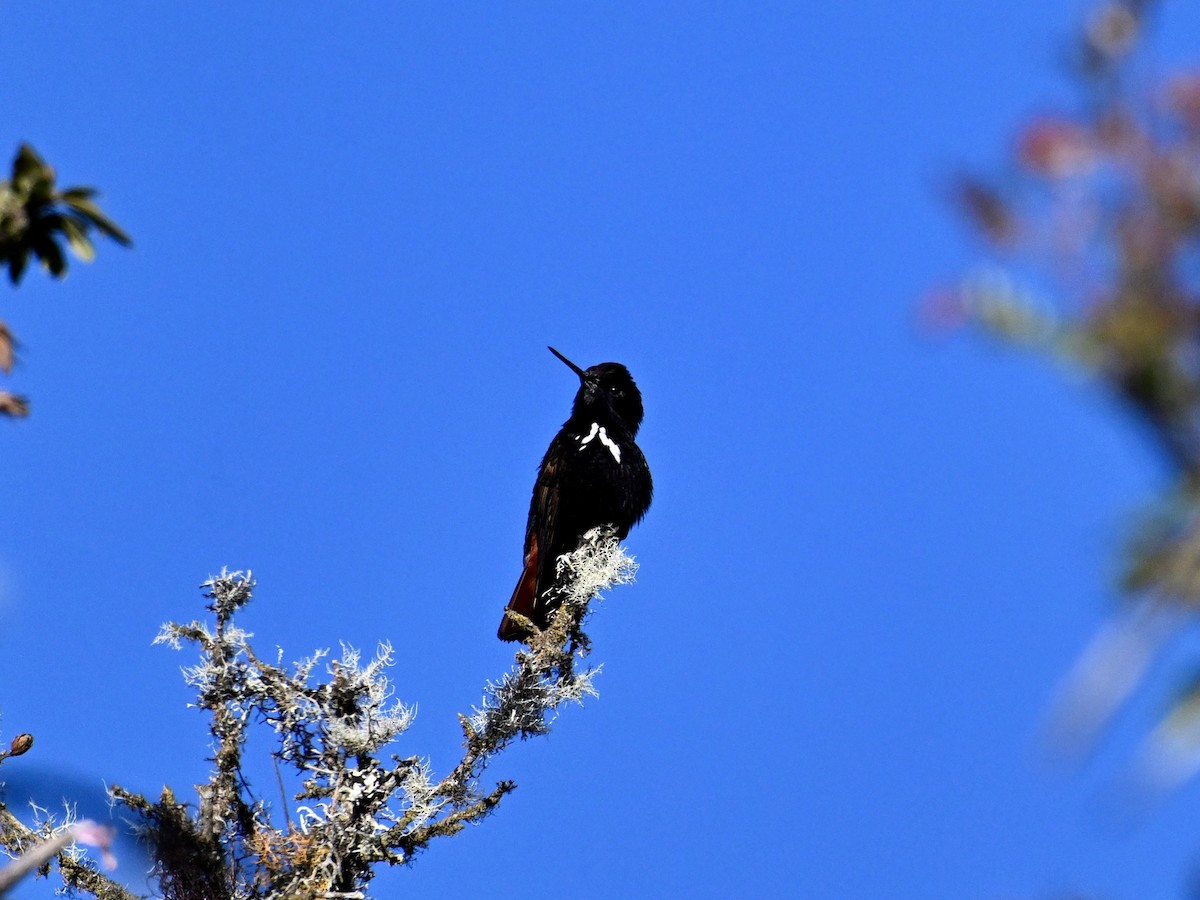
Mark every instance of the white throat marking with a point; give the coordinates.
(598, 431)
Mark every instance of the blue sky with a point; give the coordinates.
(871, 555)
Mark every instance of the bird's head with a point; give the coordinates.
(607, 392)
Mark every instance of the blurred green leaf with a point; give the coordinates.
(78, 240)
(92, 213)
(78, 193)
(50, 255)
(34, 214)
(17, 262)
(29, 170)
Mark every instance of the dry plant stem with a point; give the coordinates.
(36, 852)
(35, 857)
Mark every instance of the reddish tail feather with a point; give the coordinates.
(523, 599)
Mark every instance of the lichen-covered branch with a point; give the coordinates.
(356, 804)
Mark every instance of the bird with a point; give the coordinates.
(593, 474)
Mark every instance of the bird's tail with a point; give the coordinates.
(523, 600)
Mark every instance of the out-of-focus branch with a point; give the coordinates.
(36, 219)
(1092, 238)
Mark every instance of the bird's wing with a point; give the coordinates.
(542, 528)
(644, 488)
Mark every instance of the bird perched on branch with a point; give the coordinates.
(593, 474)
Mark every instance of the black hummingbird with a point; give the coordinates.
(593, 474)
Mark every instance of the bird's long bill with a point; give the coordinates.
(574, 368)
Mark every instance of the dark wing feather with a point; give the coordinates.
(641, 489)
(542, 527)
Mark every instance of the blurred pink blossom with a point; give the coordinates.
(1183, 98)
(1055, 147)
